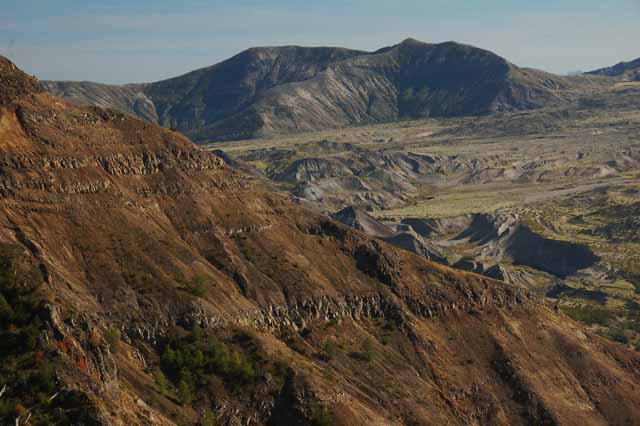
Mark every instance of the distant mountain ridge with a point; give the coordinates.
(272, 90)
(630, 70)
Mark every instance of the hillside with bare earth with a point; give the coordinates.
(144, 282)
(275, 90)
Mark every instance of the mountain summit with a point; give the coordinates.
(285, 89)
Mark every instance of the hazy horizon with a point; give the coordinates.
(144, 41)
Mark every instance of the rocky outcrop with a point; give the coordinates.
(15, 83)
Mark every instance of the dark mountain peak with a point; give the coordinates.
(269, 90)
(451, 44)
(14, 82)
(412, 42)
(449, 57)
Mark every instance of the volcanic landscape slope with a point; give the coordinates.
(567, 174)
(164, 288)
(275, 90)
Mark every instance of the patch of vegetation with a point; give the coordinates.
(329, 350)
(161, 381)
(193, 362)
(321, 416)
(246, 249)
(201, 366)
(565, 291)
(208, 418)
(112, 337)
(589, 315)
(196, 286)
(618, 335)
(28, 380)
(142, 282)
(296, 343)
(366, 352)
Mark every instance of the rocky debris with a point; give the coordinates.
(297, 315)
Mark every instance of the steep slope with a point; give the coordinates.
(404, 237)
(357, 218)
(128, 98)
(496, 238)
(143, 282)
(287, 89)
(628, 70)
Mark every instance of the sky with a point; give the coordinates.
(127, 41)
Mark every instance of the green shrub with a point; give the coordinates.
(184, 393)
(196, 286)
(6, 313)
(297, 344)
(588, 314)
(112, 337)
(161, 381)
(193, 359)
(367, 350)
(320, 416)
(208, 418)
(25, 365)
(329, 350)
(618, 335)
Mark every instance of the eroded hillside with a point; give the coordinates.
(542, 198)
(169, 289)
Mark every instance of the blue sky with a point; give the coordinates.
(118, 41)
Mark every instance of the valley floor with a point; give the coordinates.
(569, 174)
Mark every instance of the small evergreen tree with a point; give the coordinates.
(184, 393)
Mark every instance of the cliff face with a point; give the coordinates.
(288, 89)
(174, 291)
